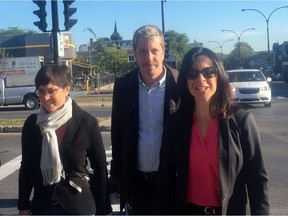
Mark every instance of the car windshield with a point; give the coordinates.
(245, 76)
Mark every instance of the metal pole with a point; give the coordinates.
(238, 37)
(55, 31)
(162, 10)
(98, 85)
(221, 46)
(239, 52)
(90, 58)
(267, 26)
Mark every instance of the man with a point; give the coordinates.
(142, 100)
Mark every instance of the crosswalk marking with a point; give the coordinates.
(10, 167)
(113, 197)
(14, 165)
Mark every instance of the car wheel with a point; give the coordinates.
(31, 103)
(267, 104)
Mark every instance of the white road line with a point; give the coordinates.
(13, 165)
(115, 207)
(10, 167)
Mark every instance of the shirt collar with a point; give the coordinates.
(160, 82)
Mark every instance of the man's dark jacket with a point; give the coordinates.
(125, 126)
(243, 175)
(82, 139)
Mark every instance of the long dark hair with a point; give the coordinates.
(221, 101)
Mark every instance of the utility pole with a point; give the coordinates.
(162, 12)
(55, 31)
(42, 24)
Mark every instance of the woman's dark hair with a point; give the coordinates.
(59, 75)
(221, 101)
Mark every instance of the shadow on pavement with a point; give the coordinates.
(13, 108)
(8, 203)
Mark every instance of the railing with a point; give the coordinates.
(93, 81)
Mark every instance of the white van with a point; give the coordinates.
(249, 86)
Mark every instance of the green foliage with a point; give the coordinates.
(246, 54)
(115, 60)
(81, 67)
(109, 59)
(13, 31)
(179, 45)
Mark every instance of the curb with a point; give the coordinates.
(103, 128)
(12, 129)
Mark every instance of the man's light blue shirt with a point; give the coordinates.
(151, 117)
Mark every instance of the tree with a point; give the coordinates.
(14, 31)
(108, 59)
(246, 54)
(114, 60)
(179, 45)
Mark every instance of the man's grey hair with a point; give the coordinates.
(148, 31)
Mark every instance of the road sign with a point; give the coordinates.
(60, 37)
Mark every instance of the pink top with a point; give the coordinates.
(203, 175)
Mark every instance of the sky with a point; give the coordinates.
(201, 21)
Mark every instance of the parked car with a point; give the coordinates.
(249, 86)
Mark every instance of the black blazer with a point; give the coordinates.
(82, 141)
(241, 164)
(125, 124)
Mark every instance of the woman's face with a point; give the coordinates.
(52, 97)
(202, 88)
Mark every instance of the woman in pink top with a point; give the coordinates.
(211, 159)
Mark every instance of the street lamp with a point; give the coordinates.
(238, 37)
(90, 59)
(221, 46)
(90, 47)
(267, 24)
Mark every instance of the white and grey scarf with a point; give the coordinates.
(51, 165)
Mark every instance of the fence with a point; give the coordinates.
(93, 81)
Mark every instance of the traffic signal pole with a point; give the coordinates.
(42, 24)
(55, 31)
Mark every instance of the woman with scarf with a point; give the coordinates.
(56, 146)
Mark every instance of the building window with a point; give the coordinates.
(131, 58)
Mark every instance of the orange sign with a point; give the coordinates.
(66, 41)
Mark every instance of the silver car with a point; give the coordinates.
(249, 86)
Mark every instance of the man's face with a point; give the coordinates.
(150, 55)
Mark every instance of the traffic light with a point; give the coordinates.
(68, 12)
(41, 13)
